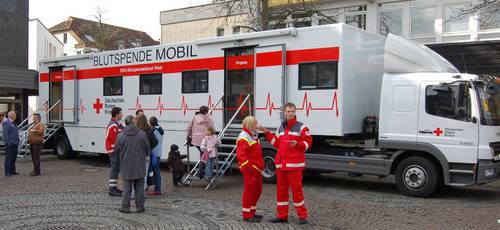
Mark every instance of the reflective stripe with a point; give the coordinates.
(246, 210)
(244, 163)
(307, 145)
(282, 203)
(258, 169)
(250, 142)
(302, 127)
(110, 151)
(273, 140)
(113, 180)
(280, 134)
(299, 204)
(297, 165)
(253, 207)
(278, 166)
(294, 134)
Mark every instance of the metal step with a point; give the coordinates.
(461, 171)
(231, 146)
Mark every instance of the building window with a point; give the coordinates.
(453, 20)
(236, 29)
(195, 81)
(137, 43)
(356, 16)
(319, 75)
(150, 84)
(422, 21)
(391, 22)
(449, 101)
(113, 86)
(489, 17)
(220, 32)
(65, 38)
(121, 45)
(78, 52)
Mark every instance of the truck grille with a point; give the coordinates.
(495, 146)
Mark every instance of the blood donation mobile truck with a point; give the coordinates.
(375, 105)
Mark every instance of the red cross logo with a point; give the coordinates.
(438, 132)
(98, 105)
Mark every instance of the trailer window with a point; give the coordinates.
(449, 101)
(113, 86)
(320, 75)
(150, 84)
(195, 81)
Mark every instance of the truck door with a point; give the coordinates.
(239, 82)
(270, 79)
(70, 95)
(445, 121)
(55, 93)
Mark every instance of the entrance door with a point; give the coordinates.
(269, 83)
(70, 95)
(55, 93)
(239, 82)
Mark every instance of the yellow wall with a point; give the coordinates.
(192, 30)
(272, 3)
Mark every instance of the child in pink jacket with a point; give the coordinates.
(209, 146)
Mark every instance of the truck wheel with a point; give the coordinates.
(62, 148)
(269, 166)
(417, 176)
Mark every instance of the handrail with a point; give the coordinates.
(20, 125)
(232, 118)
(216, 104)
(31, 125)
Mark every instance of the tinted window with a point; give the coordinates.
(195, 81)
(321, 75)
(449, 101)
(150, 84)
(113, 86)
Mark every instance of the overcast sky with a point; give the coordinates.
(135, 14)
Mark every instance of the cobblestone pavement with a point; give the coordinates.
(71, 194)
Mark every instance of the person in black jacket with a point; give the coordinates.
(142, 124)
(174, 161)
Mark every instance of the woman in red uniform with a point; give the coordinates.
(251, 164)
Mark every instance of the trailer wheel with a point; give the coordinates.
(269, 166)
(417, 176)
(62, 148)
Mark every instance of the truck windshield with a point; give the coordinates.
(489, 104)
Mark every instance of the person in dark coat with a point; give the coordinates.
(132, 145)
(11, 139)
(174, 161)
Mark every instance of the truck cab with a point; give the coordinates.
(443, 126)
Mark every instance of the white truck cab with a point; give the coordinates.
(441, 117)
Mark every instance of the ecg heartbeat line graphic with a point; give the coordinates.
(183, 106)
(308, 106)
(270, 106)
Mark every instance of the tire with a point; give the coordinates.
(269, 166)
(62, 148)
(417, 176)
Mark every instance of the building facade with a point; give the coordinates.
(444, 25)
(81, 36)
(16, 81)
(42, 44)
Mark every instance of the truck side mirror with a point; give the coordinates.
(473, 120)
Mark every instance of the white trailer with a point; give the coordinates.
(334, 74)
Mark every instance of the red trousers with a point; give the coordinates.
(287, 179)
(252, 188)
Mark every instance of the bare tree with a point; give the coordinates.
(488, 10)
(263, 16)
(100, 36)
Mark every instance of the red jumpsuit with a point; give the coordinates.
(251, 164)
(290, 161)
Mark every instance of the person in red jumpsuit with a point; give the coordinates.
(292, 139)
(251, 164)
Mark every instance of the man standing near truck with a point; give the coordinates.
(292, 139)
(114, 127)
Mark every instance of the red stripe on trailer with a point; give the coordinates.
(293, 57)
(310, 55)
(269, 59)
